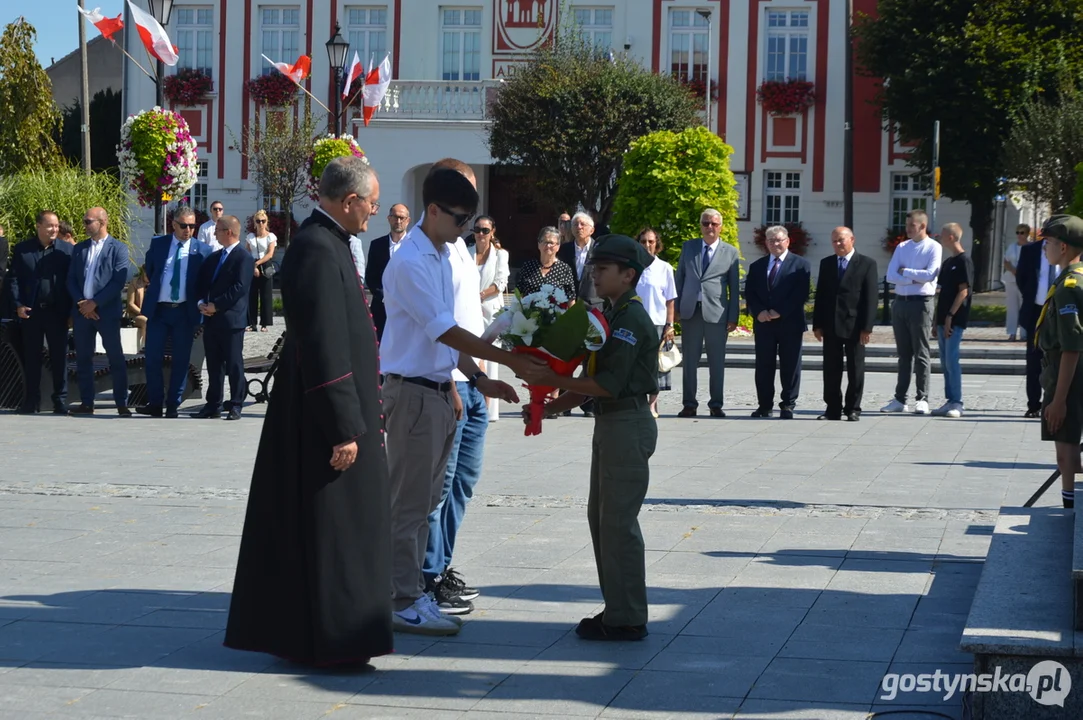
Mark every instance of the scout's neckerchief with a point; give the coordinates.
(592, 363)
(1068, 282)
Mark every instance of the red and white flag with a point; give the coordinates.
(356, 69)
(376, 83)
(154, 36)
(107, 26)
(296, 72)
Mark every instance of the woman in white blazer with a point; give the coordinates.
(492, 263)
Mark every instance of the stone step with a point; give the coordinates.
(891, 365)
(974, 352)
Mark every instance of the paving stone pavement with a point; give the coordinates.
(790, 564)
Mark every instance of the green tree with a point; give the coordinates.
(1076, 208)
(28, 114)
(66, 190)
(106, 116)
(569, 114)
(973, 65)
(668, 179)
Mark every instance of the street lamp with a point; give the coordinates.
(336, 56)
(161, 10)
(706, 15)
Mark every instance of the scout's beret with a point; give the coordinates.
(622, 250)
(1066, 228)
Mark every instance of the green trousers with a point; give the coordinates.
(619, 474)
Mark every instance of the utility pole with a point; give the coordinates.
(848, 125)
(84, 96)
(936, 176)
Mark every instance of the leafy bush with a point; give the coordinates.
(1077, 202)
(669, 179)
(68, 192)
(994, 314)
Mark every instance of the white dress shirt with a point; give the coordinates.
(419, 296)
(466, 281)
(392, 246)
(848, 257)
(92, 267)
(711, 248)
(1043, 279)
(207, 237)
(166, 293)
(922, 263)
(779, 260)
(581, 255)
(656, 287)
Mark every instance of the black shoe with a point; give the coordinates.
(827, 416)
(687, 412)
(59, 409)
(172, 413)
(455, 581)
(207, 411)
(449, 602)
(26, 411)
(152, 410)
(853, 417)
(588, 413)
(234, 414)
(786, 413)
(717, 412)
(124, 412)
(763, 413)
(594, 629)
(1032, 414)
(81, 410)
(567, 413)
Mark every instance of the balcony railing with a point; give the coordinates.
(438, 100)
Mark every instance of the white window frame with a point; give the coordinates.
(594, 28)
(282, 30)
(794, 38)
(465, 70)
(368, 38)
(690, 40)
(781, 197)
(190, 35)
(196, 196)
(909, 191)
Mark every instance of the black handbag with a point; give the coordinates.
(268, 269)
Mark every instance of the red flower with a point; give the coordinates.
(786, 97)
(187, 87)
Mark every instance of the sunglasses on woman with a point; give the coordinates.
(481, 230)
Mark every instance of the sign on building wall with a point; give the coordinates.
(744, 181)
(521, 27)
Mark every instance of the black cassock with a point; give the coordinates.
(313, 579)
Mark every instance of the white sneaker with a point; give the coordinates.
(430, 607)
(956, 411)
(942, 411)
(894, 407)
(415, 620)
(921, 407)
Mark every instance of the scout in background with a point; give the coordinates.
(625, 435)
(1060, 336)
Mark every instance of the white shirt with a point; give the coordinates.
(206, 235)
(258, 246)
(922, 263)
(357, 250)
(656, 287)
(466, 281)
(711, 248)
(1043, 279)
(92, 267)
(419, 296)
(166, 293)
(581, 255)
(392, 246)
(847, 257)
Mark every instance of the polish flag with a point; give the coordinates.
(296, 72)
(154, 36)
(356, 69)
(376, 83)
(107, 26)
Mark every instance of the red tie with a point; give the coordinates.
(774, 271)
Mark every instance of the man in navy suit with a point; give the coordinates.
(99, 270)
(171, 305)
(776, 289)
(224, 282)
(380, 252)
(39, 279)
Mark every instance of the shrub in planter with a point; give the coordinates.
(273, 89)
(187, 87)
(799, 238)
(786, 97)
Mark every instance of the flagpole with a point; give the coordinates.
(136, 62)
(303, 88)
(84, 93)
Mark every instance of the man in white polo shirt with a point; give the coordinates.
(421, 347)
(914, 268)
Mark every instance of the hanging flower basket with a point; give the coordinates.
(799, 238)
(786, 97)
(892, 239)
(273, 89)
(324, 150)
(698, 87)
(187, 87)
(157, 155)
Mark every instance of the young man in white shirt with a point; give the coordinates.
(207, 230)
(913, 269)
(421, 347)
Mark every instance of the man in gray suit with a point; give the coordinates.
(708, 300)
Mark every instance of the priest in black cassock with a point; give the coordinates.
(313, 578)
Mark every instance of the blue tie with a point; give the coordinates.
(706, 257)
(221, 262)
(174, 283)
(843, 262)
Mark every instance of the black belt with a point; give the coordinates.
(604, 406)
(171, 305)
(923, 298)
(423, 382)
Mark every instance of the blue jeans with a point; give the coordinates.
(463, 473)
(949, 363)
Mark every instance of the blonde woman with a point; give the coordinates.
(261, 244)
(492, 263)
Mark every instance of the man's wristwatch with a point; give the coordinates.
(473, 382)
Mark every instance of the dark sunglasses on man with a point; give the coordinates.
(460, 219)
(190, 226)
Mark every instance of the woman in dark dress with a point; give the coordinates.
(547, 270)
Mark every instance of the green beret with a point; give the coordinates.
(1066, 228)
(622, 250)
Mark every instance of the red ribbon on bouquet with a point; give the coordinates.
(539, 394)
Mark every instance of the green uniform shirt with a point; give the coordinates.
(627, 365)
(1061, 329)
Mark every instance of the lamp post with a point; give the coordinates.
(336, 57)
(706, 15)
(161, 10)
(848, 124)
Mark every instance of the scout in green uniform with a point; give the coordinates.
(1060, 336)
(625, 373)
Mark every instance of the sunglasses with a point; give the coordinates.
(481, 231)
(217, 209)
(260, 222)
(460, 219)
(88, 221)
(705, 223)
(190, 226)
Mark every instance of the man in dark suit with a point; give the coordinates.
(776, 289)
(39, 279)
(842, 319)
(99, 270)
(171, 306)
(575, 255)
(1032, 276)
(380, 252)
(224, 282)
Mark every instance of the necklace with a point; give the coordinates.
(546, 267)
